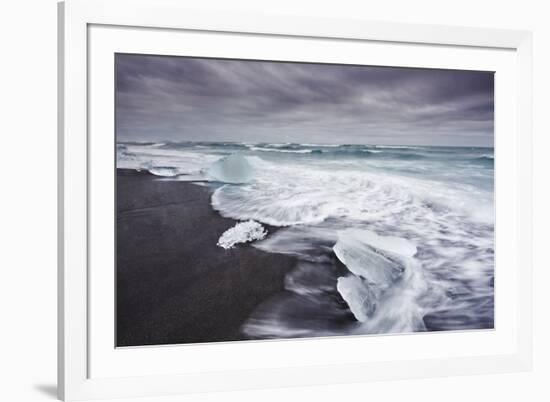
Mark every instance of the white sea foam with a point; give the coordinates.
(398, 147)
(311, 243)
(286, 151)
(164, 162)
(242, 232)
(280, 144)
(321, 145)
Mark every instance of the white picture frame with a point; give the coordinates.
(76, 348)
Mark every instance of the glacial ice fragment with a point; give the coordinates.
(379, 259)
(360, 298)
(234, 169)
(242, 232)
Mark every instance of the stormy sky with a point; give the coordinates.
(161, 98)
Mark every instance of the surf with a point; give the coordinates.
(388, 238)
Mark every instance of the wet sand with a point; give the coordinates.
(173, 283)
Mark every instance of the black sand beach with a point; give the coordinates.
(173, 283)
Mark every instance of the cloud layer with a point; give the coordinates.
(162, 98)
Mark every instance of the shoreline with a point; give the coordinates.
(174, 285)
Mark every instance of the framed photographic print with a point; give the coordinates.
(243, 197)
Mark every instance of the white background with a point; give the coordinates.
(28, 198)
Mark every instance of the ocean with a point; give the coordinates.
(390, 239)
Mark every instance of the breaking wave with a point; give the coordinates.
(276, 149)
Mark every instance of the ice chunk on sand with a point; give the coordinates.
(234, 168)
(165, 171)
(242, 232)
(379, 259)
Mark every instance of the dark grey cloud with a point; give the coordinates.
(161, 98)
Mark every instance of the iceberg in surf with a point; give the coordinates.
(242, 232)
(360, 298)
(378, 259)
(234, 168)
(375, 262)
